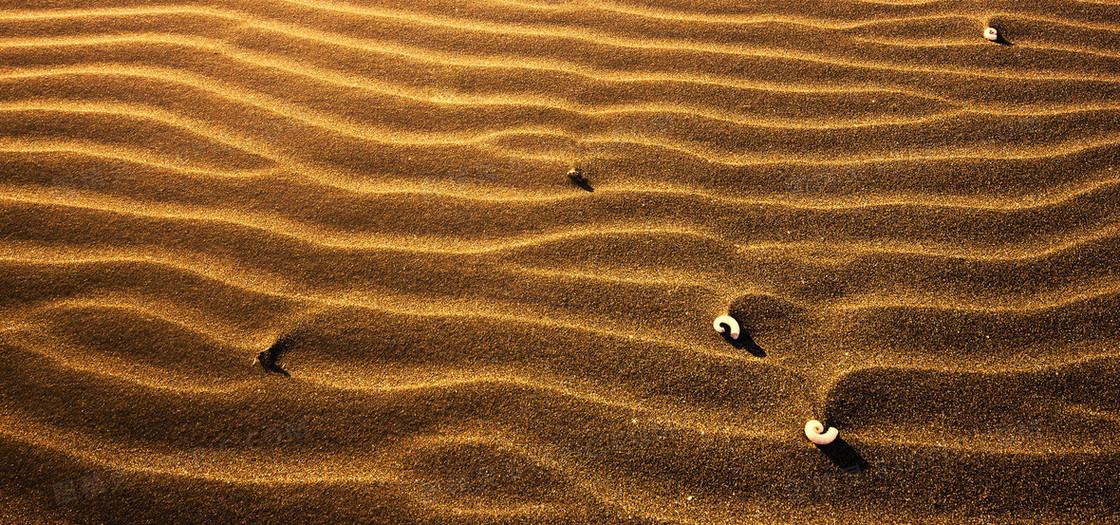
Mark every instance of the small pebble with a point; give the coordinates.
(991, 33)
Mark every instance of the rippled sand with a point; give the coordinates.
(918, 228)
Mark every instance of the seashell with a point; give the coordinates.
(991, 33)
(576, 175)
(731, 323)
(814, 430)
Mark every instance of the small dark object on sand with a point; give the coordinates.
(268, 358)
(576, 175)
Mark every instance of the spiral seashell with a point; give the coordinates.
(991, 33)
(731, 323)
(814, 430)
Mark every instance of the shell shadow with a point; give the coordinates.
(843, 455)
(583, 184)
(577, 178)
(1000, 38)
(268, 359)
(744, 342)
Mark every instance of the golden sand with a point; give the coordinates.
(917, 228)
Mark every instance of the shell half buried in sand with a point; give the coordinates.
(991, 33)
(728, 321)
(814, 430)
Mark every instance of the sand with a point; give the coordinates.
(917, 229)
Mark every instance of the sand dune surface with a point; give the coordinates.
(917, 229)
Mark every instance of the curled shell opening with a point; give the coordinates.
(814, 430)
(731, 324)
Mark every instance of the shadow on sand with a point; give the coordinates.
(844, 456)
(268, 359)
(746, 342)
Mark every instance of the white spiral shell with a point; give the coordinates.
(814, 430)
(730, 322)
(991, 33)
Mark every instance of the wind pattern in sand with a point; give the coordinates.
(918, 227)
